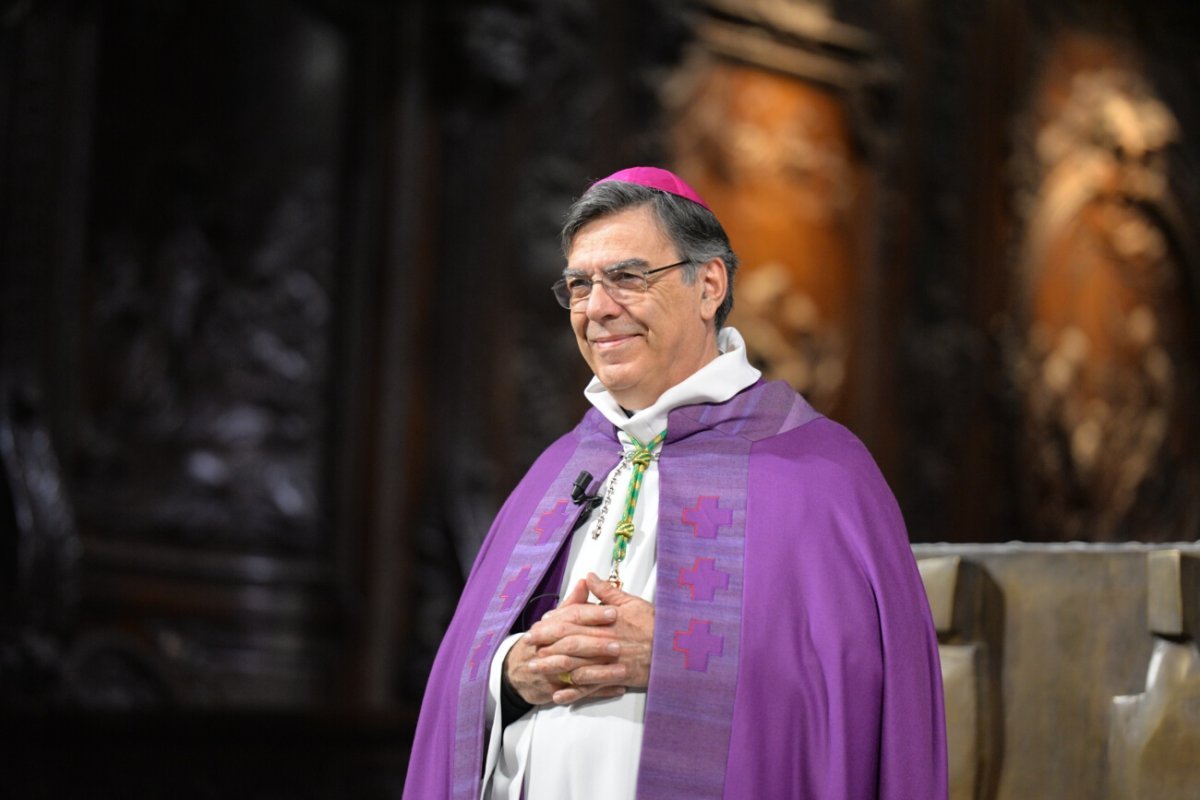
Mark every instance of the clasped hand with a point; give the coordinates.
(603, 649)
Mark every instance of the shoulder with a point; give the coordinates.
(822, 473)
(821, 447)
(785, 434)
(757, 412)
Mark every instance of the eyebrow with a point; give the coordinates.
(628, 263)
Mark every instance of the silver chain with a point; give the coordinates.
(626, 459)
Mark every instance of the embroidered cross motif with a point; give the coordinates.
(707, 516)
(697, 643)
(704, 579)
(551, 521)
(515, 588)
(481, 652)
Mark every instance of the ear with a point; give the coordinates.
(714, 283)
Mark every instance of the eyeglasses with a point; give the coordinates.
(621, 283)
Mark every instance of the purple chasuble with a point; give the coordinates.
(793, 656)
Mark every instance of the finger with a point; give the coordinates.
(584, 672)
(573, 694)
(544, 633)
(600, 675)
(554, 665)
(577, 595)
(581, 614)
(606, 593)
(551, 635)
(585, 646)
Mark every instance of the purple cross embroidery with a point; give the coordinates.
(481, 651)
(697, 644)
(515, 588)
(704, 579)
(551, 521)
(707, 516)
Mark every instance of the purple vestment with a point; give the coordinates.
(793, 657)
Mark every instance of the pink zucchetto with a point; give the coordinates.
(655, 178)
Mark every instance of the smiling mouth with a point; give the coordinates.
(613, 341)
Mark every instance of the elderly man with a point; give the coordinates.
(732, 611)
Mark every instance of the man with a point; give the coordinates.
(740, 614)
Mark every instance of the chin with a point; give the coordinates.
(615, 385)
(630, 394)
(614, 373)
(612, 383)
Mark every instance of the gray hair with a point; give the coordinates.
(693, 229)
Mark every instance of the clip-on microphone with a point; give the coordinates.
(579, 495)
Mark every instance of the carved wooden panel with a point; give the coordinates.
(1107, 366)
(184, 351)
(209, 305)
(211, 268)
(765, 127)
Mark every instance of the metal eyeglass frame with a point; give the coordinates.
(563, 296)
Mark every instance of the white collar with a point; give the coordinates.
(715, 382)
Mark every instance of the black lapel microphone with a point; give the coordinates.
(579, 495)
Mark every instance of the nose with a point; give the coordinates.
(600, 304)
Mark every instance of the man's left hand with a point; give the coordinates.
(578, 631)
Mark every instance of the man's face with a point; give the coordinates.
(642, 347)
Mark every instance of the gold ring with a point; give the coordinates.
(565, 677)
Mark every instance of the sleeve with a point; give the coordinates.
(496, 706)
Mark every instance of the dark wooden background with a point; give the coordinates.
(277, 339)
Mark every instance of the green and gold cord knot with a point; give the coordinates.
(643, 454)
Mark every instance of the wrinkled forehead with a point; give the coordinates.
(630, 235)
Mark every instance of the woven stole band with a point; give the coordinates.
(697, 616)
(545, 529)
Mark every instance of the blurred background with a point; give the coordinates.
(277, 339)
